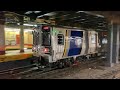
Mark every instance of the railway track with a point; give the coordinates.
(31, 72)
(53, 72)
(11, 73)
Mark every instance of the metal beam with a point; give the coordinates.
(110, 15)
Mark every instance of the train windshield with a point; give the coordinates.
(46, 41)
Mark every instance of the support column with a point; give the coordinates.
(21, 35)
(110, 46)
(2, 34)
(115, 53)
(113, 45)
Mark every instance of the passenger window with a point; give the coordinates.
(60, 38)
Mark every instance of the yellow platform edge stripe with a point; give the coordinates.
(6, 58)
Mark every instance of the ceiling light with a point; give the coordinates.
(37, 11)
(50, 14)
(47, 14)
(28, 12)
(80, 11)
(29, 25)
(100, 16)
(40, 16)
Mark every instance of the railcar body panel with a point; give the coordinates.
(58, 49)
(93, 42)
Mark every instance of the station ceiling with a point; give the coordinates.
(84, 19)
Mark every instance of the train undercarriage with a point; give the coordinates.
(41, 62)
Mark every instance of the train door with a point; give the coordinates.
(76, 39)
(96, 44)
(84, 44)
(92, 42)
(58, 42)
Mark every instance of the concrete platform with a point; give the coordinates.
(15, 55)
(14, 59)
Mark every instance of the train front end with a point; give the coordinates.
(42, 45)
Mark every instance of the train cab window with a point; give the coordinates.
(46, 37)
(35, 37)
(60, 38)
(46, 40)
(93, 39)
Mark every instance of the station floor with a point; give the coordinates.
(15, 55)
(12, 52)
(96, 72)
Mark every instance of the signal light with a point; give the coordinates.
(45, 28)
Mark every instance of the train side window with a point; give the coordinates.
(60, 38)
(93, 39)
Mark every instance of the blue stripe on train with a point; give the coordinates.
(74, 49)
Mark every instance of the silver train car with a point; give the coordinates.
(58, 46)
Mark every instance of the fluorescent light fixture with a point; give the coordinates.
(28, 30)
(47, 14)
(29, 25)
(25, 48)
(37, 11)
(50, 14)
(80, 11)
(100, 16)
(75, 27)
(28, 12)
(40, 16)
(12, 29)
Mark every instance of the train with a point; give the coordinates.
(56, 46)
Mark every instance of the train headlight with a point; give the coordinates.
(34, 48)
(38, 47)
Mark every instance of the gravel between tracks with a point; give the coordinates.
(63, 73)
(94, 70)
